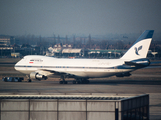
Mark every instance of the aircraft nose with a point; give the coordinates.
(15, 66)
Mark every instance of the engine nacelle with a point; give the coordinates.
(37, 76)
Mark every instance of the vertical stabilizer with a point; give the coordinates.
(140, 48)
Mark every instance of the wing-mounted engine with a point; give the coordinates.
(138, 63)
(37, 76)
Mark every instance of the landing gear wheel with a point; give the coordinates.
(74, 82)
(29, 80)
(60, 82)
(79, 82)
(85, 81)
(63, 82)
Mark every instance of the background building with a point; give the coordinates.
(6, 40)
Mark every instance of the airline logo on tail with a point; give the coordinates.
(140, 47)
(137, 50)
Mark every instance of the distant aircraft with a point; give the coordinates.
(41, 67)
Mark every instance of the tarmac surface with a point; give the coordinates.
(146, 81)
(110, 86)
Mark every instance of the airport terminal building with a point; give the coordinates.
(74, 107)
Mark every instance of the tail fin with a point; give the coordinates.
(140, 48)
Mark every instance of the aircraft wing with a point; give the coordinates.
(52, 72)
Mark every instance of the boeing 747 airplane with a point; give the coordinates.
(41, 67)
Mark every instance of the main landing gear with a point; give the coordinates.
(62, 80)
(81, 81)
(76, 81)
(29, 80)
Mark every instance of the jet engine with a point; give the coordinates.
(37, 76)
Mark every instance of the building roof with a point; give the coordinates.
(106, 51)
(83, 97)
(71, 50)
(76, 97)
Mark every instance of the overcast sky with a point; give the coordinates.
(67, 17)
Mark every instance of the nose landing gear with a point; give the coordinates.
(28, 78)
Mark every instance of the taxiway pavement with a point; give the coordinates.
(144, 81)
(105, 86)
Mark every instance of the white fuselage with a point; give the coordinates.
(39, 67)
(90, 68)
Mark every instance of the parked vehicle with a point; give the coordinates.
(12, 79)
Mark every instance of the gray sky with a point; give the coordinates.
(67, 17)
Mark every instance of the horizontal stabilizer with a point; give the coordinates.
(138, 63)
